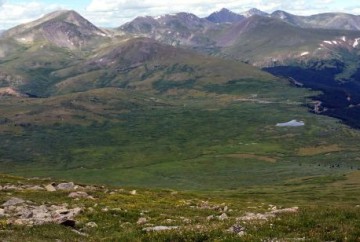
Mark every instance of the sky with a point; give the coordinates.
(113, 13)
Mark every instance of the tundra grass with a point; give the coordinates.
(328, 211)
(185, 144)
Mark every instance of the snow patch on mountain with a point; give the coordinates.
(356, 42)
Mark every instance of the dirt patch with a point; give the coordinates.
(316, 150)
(252, 156)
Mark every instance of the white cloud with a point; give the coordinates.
(16, 13)
(113, 13)
(116, 12)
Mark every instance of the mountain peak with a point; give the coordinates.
(64, 28)
(224, 15)
(254, 11)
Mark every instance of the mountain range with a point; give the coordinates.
(134, 100)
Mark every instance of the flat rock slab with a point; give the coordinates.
(13, 201)
(160, 228)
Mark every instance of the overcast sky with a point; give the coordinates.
(113, 13)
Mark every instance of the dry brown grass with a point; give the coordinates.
(252, 156)
(317, 150)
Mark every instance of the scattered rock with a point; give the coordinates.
(66, 186)
(223, 217)
(91, 225)
(50, 188)
(105, 209)
(133, 192)
(186, 220)
(285, 210)
(78, 195)
(255, 216)
(25, 214)
(207, 205)
(142, 221)
(265, 216)
(160, 228)
(13, 201)
(210, 217)
(79, 233)
(237, 229)
(2, 213)
(35, 188)
(169, 221)
(11, 187)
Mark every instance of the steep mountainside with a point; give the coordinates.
(143, 64)
(259, 40)
(340, 21)
(178, 29)
(61, 28)
(264, 41)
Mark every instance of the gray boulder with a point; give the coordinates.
(13, 201)
(66, 186)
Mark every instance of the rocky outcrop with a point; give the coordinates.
(21, 212)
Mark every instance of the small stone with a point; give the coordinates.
(285, 210)
(2, 212)
(50, 188)
(186, 220)
(160, 228)
(133, 192)
(78, 195)
(91, 225)
(105, 209)
(142, 221)
(80, 233)
(236, 229)
(223, 217)
(13, 201)
(210, 217)
(66, 186)
(35, 188)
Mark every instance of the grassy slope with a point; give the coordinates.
(328, 211)
(127, 137)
